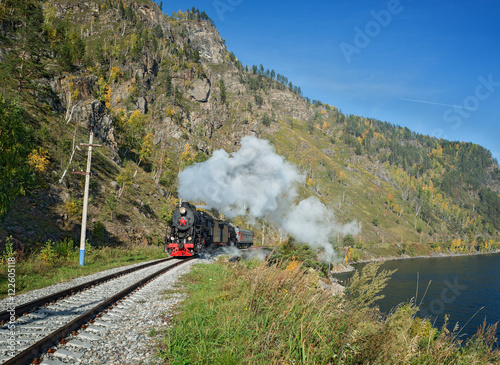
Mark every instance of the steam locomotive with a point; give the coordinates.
(193, 231)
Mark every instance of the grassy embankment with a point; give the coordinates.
(58, 262)
(255, 313)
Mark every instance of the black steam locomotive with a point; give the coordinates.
(193, 231)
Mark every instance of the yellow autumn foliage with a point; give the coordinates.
(39, 160)
(456, 245)
(293, 265)
(146, 147)
(115, 74)
(188, 154)
(107, 96)
(170, 111)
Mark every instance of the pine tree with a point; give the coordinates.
(223, 92)
(26, 43)
(16, 142)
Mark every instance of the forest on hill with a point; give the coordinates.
(162, 92)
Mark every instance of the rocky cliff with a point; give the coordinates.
(162, 92)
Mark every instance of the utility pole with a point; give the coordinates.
(86, 195)
(263, 232)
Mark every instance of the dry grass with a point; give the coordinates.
(250, 313)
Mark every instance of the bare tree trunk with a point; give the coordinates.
(71, 157)
(120, 191)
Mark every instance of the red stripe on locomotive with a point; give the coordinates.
(183, 252)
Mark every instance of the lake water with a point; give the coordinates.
(467, 288)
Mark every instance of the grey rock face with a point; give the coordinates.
(93, 114)
(207, 40)
(142, 105)
(200, 90)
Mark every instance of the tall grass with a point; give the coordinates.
(251, 313)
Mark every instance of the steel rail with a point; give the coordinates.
(26, 356)
(25, 308)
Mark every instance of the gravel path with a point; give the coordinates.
(126, 335)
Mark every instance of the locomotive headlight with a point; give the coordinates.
(182, 210)
(172, 238)
(189, 238)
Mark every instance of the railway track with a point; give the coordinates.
(26, 306)
(46, 321)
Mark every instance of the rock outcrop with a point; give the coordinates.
(200, 90)
(93, 114)
(205, 38)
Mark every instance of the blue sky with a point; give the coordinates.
(433, 66)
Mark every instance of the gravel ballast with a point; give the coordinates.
(128, 333)
(42, 292)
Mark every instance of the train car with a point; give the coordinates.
(193, 231)
(224, 234)
(244, 237)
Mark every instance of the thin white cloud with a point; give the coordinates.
(440, 104)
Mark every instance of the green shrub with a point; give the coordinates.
(65, 248)
(348, 241)
(9, 250)
(99, 232)
(73, 208)
(48, 253)
(16, 142)
(166, 214)
(112, 203)
(290, 250)
(51, 251)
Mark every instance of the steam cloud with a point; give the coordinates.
(256, 181)
(254, 178)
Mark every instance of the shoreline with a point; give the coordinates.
(351, 265)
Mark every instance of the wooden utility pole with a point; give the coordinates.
(263, 232)
(86, 195)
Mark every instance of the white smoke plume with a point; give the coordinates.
(256, 181)
(313, 223)
(254, 178)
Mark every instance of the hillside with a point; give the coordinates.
(163, 92)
